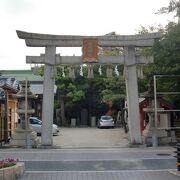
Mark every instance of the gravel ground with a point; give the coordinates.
(91, 138)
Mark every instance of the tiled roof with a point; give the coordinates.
(9, 83)
(36, 81)
(22, 75)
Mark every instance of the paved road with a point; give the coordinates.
(115, 165)
(90, 158)
(96, 164)
(95, 154)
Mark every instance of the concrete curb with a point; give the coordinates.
(13, 172)
(174, 172)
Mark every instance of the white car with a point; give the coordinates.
(36, 125)
(105, 121)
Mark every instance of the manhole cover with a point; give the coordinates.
(163, 154)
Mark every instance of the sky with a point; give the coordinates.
(70, 17)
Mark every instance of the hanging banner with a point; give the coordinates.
(90, 50)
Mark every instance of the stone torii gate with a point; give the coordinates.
(51, 59)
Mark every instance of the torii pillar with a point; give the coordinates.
(132, 95)
(48, 96)
(50, 59)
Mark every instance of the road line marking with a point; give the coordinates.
(90, 160)
(108, 171)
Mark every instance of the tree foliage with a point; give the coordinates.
(96, 94)
(166, 54)
(174, 6)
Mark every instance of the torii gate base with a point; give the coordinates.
(50, 59)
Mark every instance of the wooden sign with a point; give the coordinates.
(90, 50)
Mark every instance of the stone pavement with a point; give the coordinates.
(101, 175)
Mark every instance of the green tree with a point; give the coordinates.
(166, 54)
(167, 58)
(174, 7)
(94, 94)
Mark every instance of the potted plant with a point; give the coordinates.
(11, 169)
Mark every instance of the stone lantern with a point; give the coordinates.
(150, 133)
(24, 136)
(25, 111)
(155, 132)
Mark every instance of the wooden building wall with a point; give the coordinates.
(8, 118)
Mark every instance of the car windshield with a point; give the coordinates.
(106, 117)
(35, 121)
